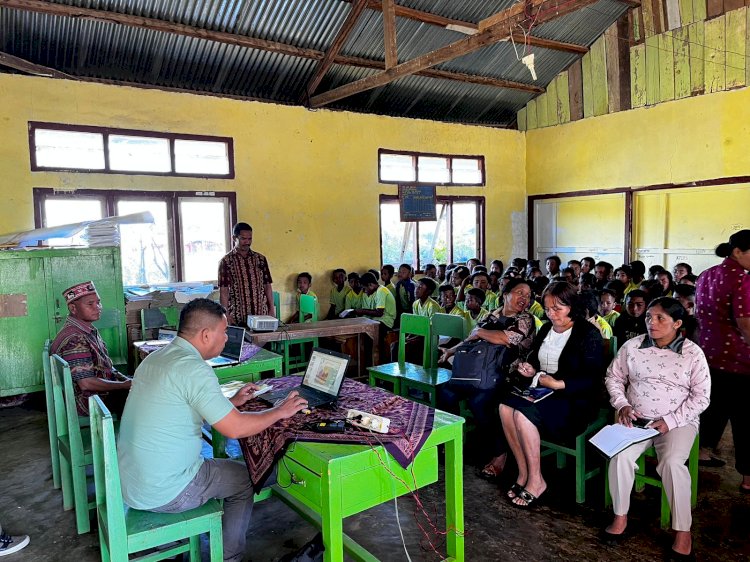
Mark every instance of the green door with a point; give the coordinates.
(22, 323)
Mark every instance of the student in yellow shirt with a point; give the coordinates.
(590, 302)
(338, 294)
(481, 280)
(354, 296)
(430, 271)
(607, 302)
(377, 304)
(475, 312)
(386, 276)
(624, 274)
(304, 282)
(424, 305)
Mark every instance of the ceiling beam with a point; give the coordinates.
(38, 6)
(389, 33)
(496, 28)
(471, 28)
(23, 65)
(346, 28)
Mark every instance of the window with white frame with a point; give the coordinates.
(56, 146)
(438, 169)
(190, 233)
(456, 236)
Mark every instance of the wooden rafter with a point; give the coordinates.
(493, 29)
(471, 28)
(389, 33)
(23, 65)
(62, 10)
(346, 28)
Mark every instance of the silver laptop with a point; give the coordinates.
(322, 381)
(232, 351)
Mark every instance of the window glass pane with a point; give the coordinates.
(467, 170)
(464, 231)
(433, 169)
(204, 236)
(201, 157)
(139, 154)
(67, 211)
(398, 238)
(68, 149)
(397, 167)
(433, 239)
(145, 247)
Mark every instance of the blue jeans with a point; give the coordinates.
(222, 479)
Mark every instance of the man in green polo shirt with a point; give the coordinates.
(159, 446)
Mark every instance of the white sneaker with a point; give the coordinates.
(9, 544)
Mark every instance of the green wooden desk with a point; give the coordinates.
(327, 482)
(405, 376)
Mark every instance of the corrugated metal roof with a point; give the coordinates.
(102, 50)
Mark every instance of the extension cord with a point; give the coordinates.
(368, 421)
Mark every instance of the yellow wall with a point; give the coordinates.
(686, 140)
(306, 180)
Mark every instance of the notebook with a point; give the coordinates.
(165, 337)
(612, 439)
(322, 381)
(533, 394)
(232, 351)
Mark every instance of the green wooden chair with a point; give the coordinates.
(578, 452)
(642, 479)
(308, 311)
(73, 443)
(124, 531)
(110, 322)
(448, 325)
(49, 395)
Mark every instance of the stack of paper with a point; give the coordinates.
(614, 438)
(102, 234)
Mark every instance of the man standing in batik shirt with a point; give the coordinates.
(245, 280)
(80, 344)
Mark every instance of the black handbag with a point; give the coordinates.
(480, 364)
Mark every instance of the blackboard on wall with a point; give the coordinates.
(417, 203)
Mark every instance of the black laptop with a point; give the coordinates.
(322, 381)
(232, 351)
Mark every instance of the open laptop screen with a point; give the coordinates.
(233, 347)
(326, 371)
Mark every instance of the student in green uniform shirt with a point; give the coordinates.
(475, 312)
(354, 296)
(338, 294)
(607, 302)
(481, 280)
(590, 302)
(430, 271)
(386, 276)
(377, 304)
(304, 282)
(624, 274)
(424, 305)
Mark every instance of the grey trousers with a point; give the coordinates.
(672, 451)
(222, 479)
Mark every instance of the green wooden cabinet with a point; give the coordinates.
(32, 308)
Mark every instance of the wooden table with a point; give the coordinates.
(323, 329)
(326, 482)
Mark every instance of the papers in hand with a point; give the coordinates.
(230, 389)
(614, 438)
(533, 394)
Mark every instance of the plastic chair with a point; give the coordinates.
(49, 395)
(123, 531)
(73, 443)
(642, 479)
(578, 452)
(448, 325)
(308, 311)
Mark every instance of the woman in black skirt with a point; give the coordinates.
(567, 356)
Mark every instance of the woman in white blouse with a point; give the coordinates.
(659, 376)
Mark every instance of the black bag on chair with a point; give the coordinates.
(482, 365)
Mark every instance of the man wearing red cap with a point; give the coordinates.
(80, 344)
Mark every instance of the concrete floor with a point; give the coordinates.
(559, 530)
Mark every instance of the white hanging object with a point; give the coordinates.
(528, 60)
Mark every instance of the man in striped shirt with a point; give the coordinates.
(80, 344)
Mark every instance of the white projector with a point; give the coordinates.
(262, 323)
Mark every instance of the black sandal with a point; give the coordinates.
(531, 500)
(515, 489)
